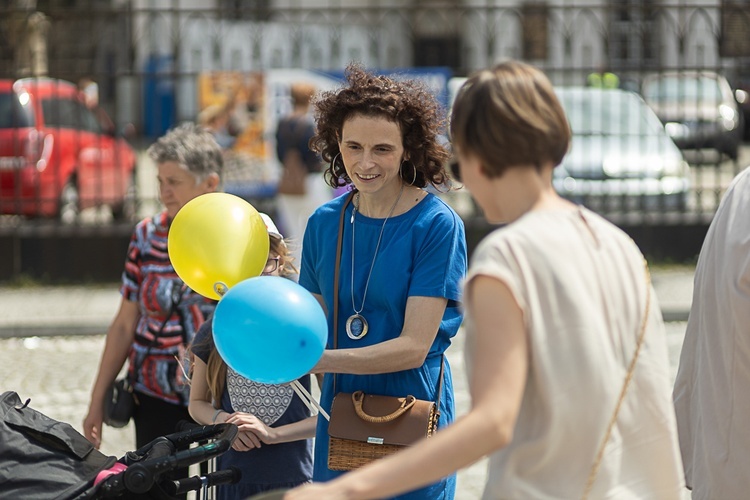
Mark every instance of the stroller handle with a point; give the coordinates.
(159, 457)
(227, 476)
(222, 434)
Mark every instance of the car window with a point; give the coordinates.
(605, 112)
(676, 89)
(13, 112)
(70, 114)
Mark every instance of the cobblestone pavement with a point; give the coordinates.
(57, 374)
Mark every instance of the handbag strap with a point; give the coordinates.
(358, 397)
(137, 366)
(339, 246)
(626, 383)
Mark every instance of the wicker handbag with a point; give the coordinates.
(365, 427)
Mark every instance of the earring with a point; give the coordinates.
(414, 177)
(333, 162)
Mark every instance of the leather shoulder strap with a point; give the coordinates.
(339, 245)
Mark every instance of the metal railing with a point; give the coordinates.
(154, 68)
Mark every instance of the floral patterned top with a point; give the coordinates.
(163, 299)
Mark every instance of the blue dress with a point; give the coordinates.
(422, 253)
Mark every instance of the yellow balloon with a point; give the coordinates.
(215, 241)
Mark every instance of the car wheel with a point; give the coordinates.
(69, 208)
(128, 209)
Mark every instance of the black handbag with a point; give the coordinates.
(119, 403)
(120, 400)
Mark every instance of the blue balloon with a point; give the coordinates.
(270, 329)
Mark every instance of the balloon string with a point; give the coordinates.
(302, 397)
(307, 398)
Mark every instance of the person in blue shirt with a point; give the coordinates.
(403, 253)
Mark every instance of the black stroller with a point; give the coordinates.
(42, 458)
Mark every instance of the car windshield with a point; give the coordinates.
(70, 114)
(16, 111)
(677, 89)
(607, 112)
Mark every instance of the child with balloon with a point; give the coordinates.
(220, 394)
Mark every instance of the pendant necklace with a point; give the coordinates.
(356, 325)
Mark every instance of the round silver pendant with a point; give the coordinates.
(356, 326)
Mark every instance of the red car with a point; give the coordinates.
(57, 156)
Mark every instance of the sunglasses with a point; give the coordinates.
(272, 264)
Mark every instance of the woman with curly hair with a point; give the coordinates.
(402, 259)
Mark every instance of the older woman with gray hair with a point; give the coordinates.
(158, 314)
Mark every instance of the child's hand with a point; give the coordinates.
(252, 425)
(246, 441)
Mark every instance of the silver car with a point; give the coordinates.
(621, 158)
(698, 108)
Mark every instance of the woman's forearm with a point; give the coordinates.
(116, 348)
(405, 352)
(386, 357)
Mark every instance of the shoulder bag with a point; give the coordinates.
(120, 400)
(365, 427)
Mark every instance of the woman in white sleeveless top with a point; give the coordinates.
(556, 302)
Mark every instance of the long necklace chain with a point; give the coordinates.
(377, 247)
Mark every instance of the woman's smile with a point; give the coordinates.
(367, 177)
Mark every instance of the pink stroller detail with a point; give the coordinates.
(42, 458)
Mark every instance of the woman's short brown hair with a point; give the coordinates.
(509, 116)
(408, 103)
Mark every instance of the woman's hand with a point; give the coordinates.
(92, 425)
(120, 337)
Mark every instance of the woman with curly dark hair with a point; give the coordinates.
(402, 258)
(407, 104)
